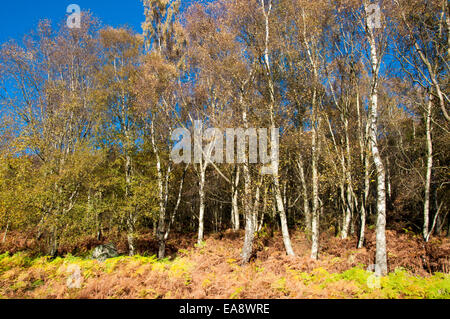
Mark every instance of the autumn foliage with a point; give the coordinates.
(361, 177)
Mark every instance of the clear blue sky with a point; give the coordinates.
(17, 17)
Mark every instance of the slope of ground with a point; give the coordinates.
(213, 271)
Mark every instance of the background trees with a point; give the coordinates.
(87, 117)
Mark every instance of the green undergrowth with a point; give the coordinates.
(21, 275)
(397, 284)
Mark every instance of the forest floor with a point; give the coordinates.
(213, 270)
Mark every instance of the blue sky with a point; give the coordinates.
(17, 17)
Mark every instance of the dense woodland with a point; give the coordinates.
(87, 115)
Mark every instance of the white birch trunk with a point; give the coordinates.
(381, 255)
(234, 200)
(275, 168)
(247, 250)
(201, 213)
(364, 159)
(426, 204)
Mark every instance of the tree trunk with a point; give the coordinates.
(274, 143)
(201, 213)
(306, 209)
(381, 256)
(162, 196)
(426, 204)
(247, 198)
(364, 157)
(6, 232)
(315, 222)
(315, 210)
(130, 217)
(54, 242)
(448, 227)
(283, 219)
(248, 240)
(256, 206)
(177, 205)
(130, 238)
(365, 198)
(234, 199)
(247, 250)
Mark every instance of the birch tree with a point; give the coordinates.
(375, 58)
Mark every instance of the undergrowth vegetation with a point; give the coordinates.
(212, 271)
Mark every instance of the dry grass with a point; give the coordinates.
(214, 271)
